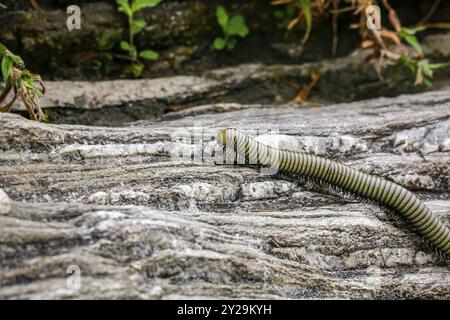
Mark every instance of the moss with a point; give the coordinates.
(28, 16)
(184, 24)
(204, 15)
(109, 38)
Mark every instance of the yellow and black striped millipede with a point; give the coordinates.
(361, 184)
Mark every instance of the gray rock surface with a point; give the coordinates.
(181, 31)
(222, 82)
(141, 214)
(176, 90)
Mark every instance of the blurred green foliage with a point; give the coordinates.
(135, 26)
(232, 27)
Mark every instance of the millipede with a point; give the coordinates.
(361, 184)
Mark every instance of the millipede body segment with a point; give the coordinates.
(346, 178)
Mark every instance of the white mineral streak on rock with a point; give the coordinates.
(266, 189)
(344, 144)
(201, 191)
(103, 198)
(426, 140)
(5, 203)
(110, 150)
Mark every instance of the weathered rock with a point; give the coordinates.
(132, 252)
(175, 28)
(117, 102)
(181, 31)
(143, 215)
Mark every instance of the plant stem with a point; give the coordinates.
(131, 38)
(430, 12)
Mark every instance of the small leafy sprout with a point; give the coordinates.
(135, 26)
(22, 82)
(304, 13)
(383, 41)
(409, 35)
(232, 27)
(284, 16)
(305, 7)
(422, 69)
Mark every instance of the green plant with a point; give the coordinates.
(409, 35)
(23, 83)
(384, 44)
(417, 65)
(305, 6)
(290, 20)
(421, 69)
(135, 26)
(284, 16)
(232, 27)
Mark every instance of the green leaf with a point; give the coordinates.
(38, 92)
(7, 64)
(424, 66)
(290, 11)
(236, 27)
(17, 60)
(219, 43)
(222, 17)
(108, 56)
(413, 31)
(407, 62)
(427, 83)
(3, 49)
(98, 63)
(141, 4)
(279, 14)
(284, 16)
(305, 5)
(136, 69)
(409, 36)
(439, 65)
(137, 26)
(25, 74)
(413, 42)
(149, 55)
(124, 7)
(231, 43)
(125, 46)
